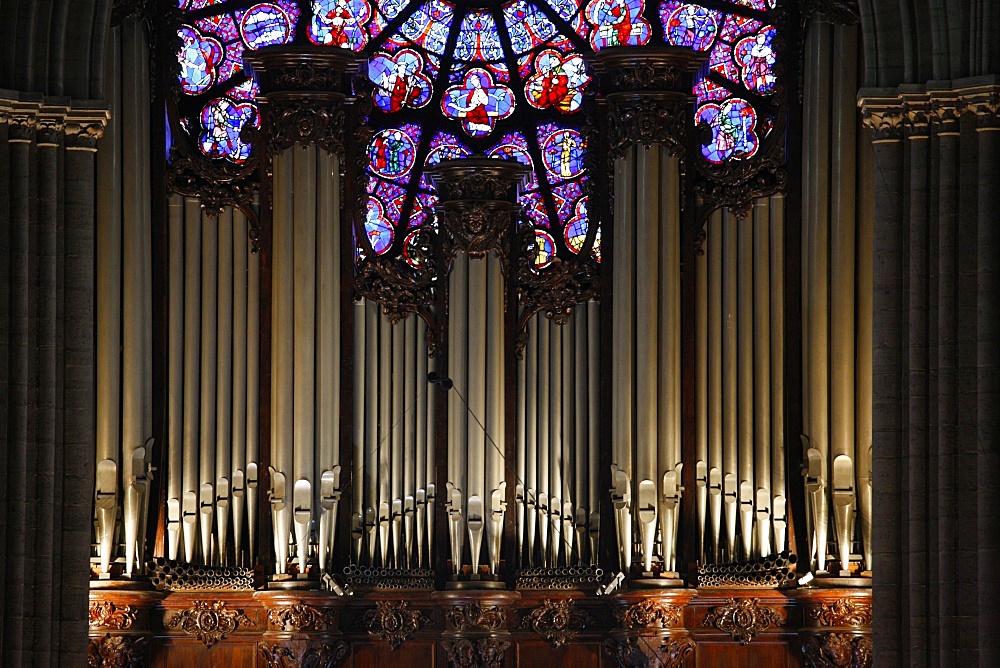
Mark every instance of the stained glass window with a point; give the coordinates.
(733, 93)
(505, 78)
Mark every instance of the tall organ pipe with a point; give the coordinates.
(762, 375)
(729, 378)
(175, 376)
(702, 344)
(192, 361)
(224, 385)
(779, 507)
(209, 385)
(716, 466)
(282, 359)
(240, 437)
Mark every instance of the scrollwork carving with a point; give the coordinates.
(108, 615)
(843, 612)
(478, 227)
(303, 120)
(645, 119)
(393, 622)
(558, 621)
(301, 617)
(476, 617)
(649, 613)
(116, 651)
(208, 622)
(838, 650)
(743, 619)
(481, 653)
(276, 655)
(325, 655)
(649, 651)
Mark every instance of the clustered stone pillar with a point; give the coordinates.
(46, 374)
(935, 372)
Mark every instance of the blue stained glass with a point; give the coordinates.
(392, 152)
(575, 232)
(736, 26)
(400, 81)
(733, 125)
(721, 61)
(567, 9)
(391, 8)
(266, 24)
(760, 5)
(705, 90)
(558, 82)
(545, 249)
(247, 90)
(513, 146)
(429, 25)
(527, 25)
(199, 57)
(617, 23)
(340, 23)
(478, 102)
(562, 152)
(565, 198)
(446, 146)
(423, 207)
(534, 208)
(690, 25)
(478, 38)
(223, 121)
(222, 25)
(756, 59)
(377, 227)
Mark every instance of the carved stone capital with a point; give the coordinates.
(558, 621)
(648, 651)
(837, 650)
(301, 617)
(649, 614)
(84, 128)
(883, 118)
(743, 618)
(117, 651)
(105, 614)
(474, 616)
(985, 104)
(481, 653)
(394, 622)
(209, 622)
(50, 126)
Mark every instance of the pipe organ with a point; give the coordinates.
(392, 484)
(417, 449)
(212, 420)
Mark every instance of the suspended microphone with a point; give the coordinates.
(434, 378)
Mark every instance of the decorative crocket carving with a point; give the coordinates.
(394, 622)
(116, 651)
(477, 617)
(481, 653)
(558, 621)
(108, 615)
(843, 612)
(743, 618)
(838, 650)
(301, 617)
(209, 622)
(646, 651)
(649, 613)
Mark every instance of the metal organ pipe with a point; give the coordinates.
(744, 381)
(715, 365)
(209, 385)
(762, 375)
(224, 385)
(730, 445)
(779, 507)
(192, 360)
(175, 376)
(702, 344)
(240, 436)
(494, 417)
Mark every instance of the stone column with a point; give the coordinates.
(936, 324)
(47, 362)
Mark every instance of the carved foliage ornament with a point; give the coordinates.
(302, 120)
(481, 653)
(843, 612)
(108, 615)
(318, 655)
(649, 613)
(477, 617)
(393, 622)
(838, 650)
(116, 651)
(557, 621)
(209, 622)
(743, 619)
(301, 617)
(648, 651)
(647, 119)
(477, 227)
